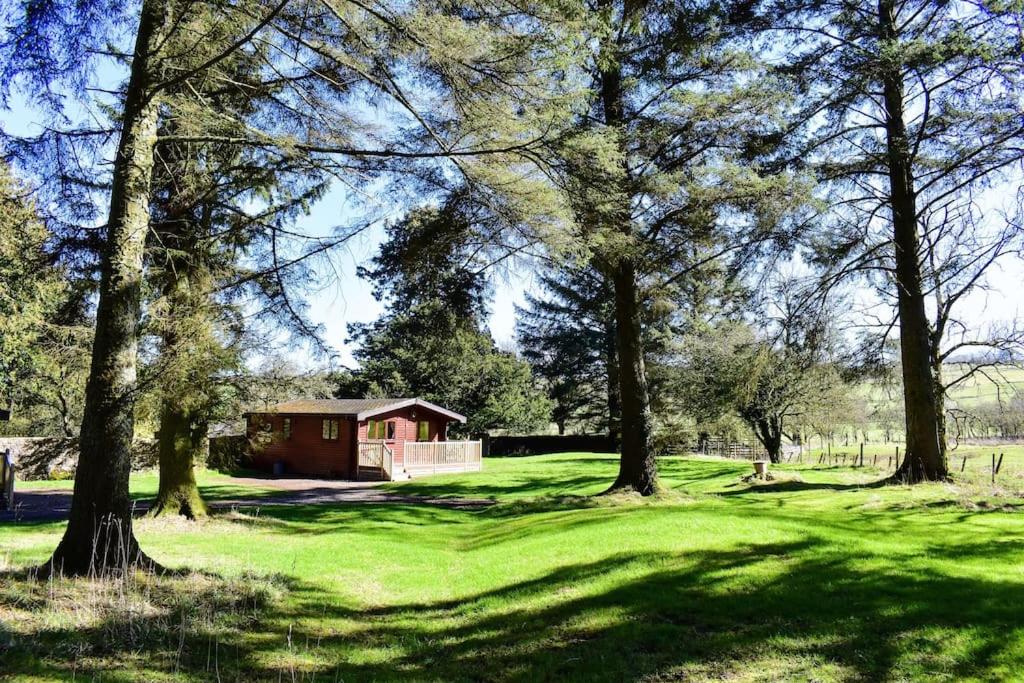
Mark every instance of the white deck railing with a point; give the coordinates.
(443, 456)
(375, 459)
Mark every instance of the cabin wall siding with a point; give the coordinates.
(306, 452)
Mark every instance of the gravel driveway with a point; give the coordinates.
(55, 504)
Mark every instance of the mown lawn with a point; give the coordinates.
(821, 576)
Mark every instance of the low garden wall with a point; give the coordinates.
(546, 443)
(46, 457)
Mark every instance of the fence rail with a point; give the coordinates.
(6, 481)
(742, 450)
(375, 460)
(443, 456)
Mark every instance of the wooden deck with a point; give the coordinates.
(421, 458)
(435, 457)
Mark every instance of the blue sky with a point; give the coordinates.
(339, 297)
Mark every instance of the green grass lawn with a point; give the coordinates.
(822, 575)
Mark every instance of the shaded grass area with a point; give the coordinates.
(820, 575)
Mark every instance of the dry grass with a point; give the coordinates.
(139, 624)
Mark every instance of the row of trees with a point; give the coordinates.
(666, 151)
(904, 114)
(231, 118)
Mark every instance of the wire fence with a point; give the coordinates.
(994, 463)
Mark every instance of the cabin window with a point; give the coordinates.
(330, 432)
(267, 425)
(378, 429)
(423, 431)
(286, 428)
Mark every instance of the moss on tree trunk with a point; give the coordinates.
(181, 443)
(99, 535)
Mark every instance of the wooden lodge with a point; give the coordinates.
(372, 438)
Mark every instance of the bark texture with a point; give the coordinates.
(637, 466)
(612, 377)
(99, 535)
(185, 336)
(769, 433)
(925, 457)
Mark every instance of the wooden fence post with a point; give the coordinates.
(999, 465)
(993, 468)
(862, 454)
(963, 465)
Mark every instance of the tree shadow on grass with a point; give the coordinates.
(469, 486)
(792, 486)
(313, 520)
(800, 609)
(670, 616)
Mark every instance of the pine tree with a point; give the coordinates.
(908, 110)
(31, 292)
(664, 176)
(567, 333)
(431, 342)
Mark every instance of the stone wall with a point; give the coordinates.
(57, 457)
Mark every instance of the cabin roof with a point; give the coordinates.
(360, 408)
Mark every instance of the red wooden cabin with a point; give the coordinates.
(359, 438)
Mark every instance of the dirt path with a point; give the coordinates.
(40, 505)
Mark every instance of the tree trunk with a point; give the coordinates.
(182, 435)
(612, 378)
(769, 433)
(637, 467)
(99, 534)
(924, 459)
(940, 403)
(180, 441)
